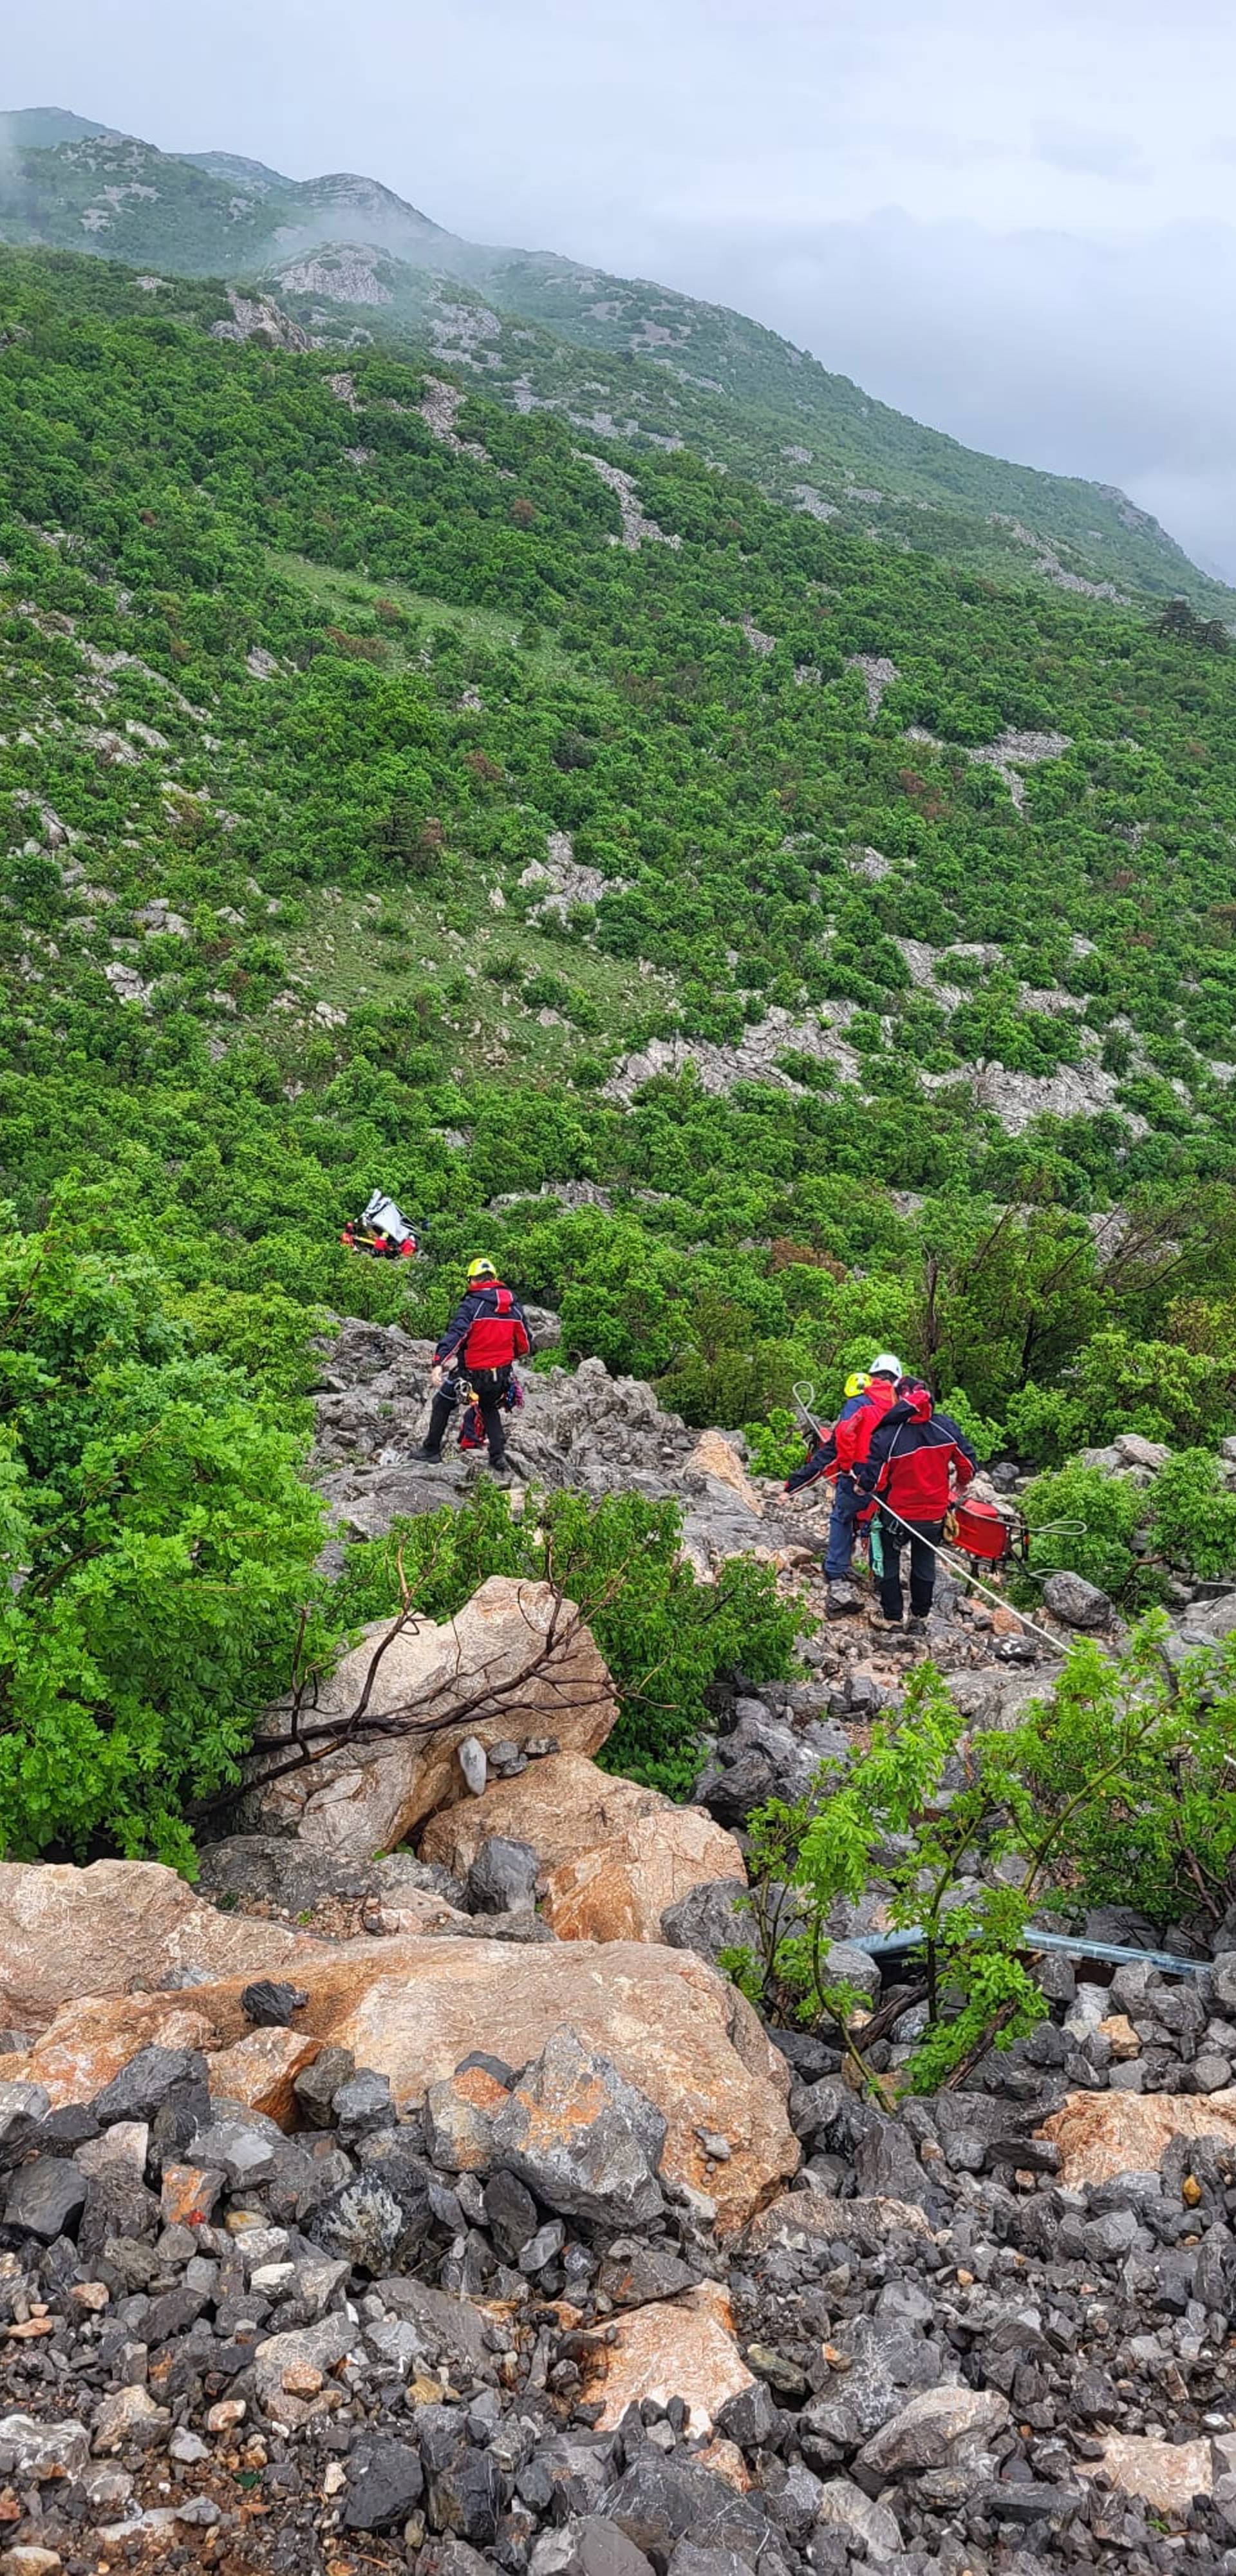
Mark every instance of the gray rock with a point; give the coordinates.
(1223, 1980)
(690, 2560)
(141, 2087)
(584, 2162)
(846, 1965)
(750, 2418)
(379, 2220)
(241, 2145)
(886, 2165)
(939, 2428)
(1078, 1603)
(471, 1758)
(868, 2526)
(542, 2248)
(502, 1879)
(253, 1870)
(22, 2108)
(319, 2347)
(599, 2548)
(793, 2494)
(511, 2214)
(385, 2481)
(659, 2502)
(362, 2102)
(269, 2004)
(34, 2452)
(447, 2329)
(46, 2198)
(710, 1919)
(316, 2086)
(636, 2273)
(467, 2497)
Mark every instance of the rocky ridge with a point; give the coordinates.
(448, 2208)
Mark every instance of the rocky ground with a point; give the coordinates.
(418, 2193)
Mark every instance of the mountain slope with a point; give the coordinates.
(648, 362)
(638, 880)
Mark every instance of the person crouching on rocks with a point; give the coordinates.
(486, 1335)
(917, 1461)
(868, 1396)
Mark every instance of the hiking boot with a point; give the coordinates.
(432, 1457)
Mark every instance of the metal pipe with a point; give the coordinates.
(899, 1945)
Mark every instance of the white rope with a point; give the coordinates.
(966, 1576)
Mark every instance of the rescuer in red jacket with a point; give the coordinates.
(485, 1336)
(917, 1460)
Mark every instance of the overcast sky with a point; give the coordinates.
(1017, 223)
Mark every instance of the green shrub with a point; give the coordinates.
(156, 1546)
(1115, 1788)
(1192, 1515)
(1083, 1520)
(777, 1446)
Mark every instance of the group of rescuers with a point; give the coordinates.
(890, 1457)
(892, 1460)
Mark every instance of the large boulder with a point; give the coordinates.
(1079, 1604)
(118, 1926)
(615, 1855)
(516, 1662)
(1166, 2475)
(413, 2009)
(619, 1890)
(561, 1805)
(1100, 2135)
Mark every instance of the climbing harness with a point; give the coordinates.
(472, 1434)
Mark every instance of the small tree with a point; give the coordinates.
(156, 1556)
(1117, 1787)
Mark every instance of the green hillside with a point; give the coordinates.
(638, 360)
(761, 942)
(459, 803)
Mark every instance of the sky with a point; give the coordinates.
(1018, 224)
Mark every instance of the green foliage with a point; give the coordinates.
(284, 737)
(775, 1447)
(156, 1547)
(1082, 1519)
(1192, 1515)
(1123, 1535)
(1115, 1788)
(986, 1438)
(665, 1637)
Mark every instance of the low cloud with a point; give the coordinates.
(1091, 155)
(1114, 360)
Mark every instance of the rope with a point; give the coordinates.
(946, 1559)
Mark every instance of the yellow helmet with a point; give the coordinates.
(478, 1270)
(857, 1382)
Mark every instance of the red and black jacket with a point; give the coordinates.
(487, 1329)
(841, 1449)
(917, 1459)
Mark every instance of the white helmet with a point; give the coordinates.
(884, 1365)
